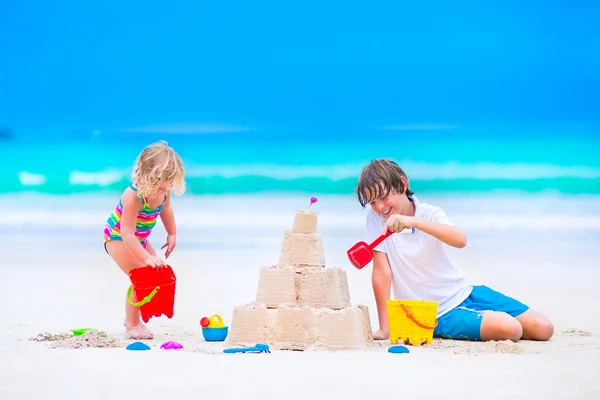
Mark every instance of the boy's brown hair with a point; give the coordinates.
(380, 177)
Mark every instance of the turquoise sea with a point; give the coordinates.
(445, 161)
(520, 190)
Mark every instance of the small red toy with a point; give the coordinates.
(362, 253)
(154, 289)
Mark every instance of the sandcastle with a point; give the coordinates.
(300, 304)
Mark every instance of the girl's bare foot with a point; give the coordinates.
(137, 332)
(139, 328)
(146, 329)
(380, 335)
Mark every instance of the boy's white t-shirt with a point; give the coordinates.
(420, 268)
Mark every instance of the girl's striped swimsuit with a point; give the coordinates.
(145, 221)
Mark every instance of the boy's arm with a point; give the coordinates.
(381, 276)
(439, 227)
(167, 216)
(448, 234)
(381, 280)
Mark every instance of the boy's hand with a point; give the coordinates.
(381, 335)
(170, 245)
(398, 222)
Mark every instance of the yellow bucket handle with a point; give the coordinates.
(409, 314)
(144, 300)
(217, 316)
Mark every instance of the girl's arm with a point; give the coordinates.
(167, 216)
(131, 205)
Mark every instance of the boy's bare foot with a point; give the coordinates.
(137, 332)
(380, 335)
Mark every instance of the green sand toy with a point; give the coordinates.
(81, 331)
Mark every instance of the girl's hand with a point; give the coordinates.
(170, 245)
(154, 261)
(397, 223)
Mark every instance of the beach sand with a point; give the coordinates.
(51, 286)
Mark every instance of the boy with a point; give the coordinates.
(413, 261)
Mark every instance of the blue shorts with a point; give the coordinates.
(464, 321)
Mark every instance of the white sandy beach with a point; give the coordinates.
(53, 285)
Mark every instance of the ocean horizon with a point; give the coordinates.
(512, 189)
(451, 161)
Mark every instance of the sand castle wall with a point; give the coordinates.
(295, 328)
(302, 250)
(252, 323)
(277, 286)
(305, 222)
(301, 328)
(287, 286)
(323, 288)
(346, 329)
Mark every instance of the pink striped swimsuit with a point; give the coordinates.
(145, 221)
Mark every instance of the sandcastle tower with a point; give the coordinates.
(300, 304)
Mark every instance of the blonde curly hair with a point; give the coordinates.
(156, 164)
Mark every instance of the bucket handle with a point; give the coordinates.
(145, 300)
(409, 314)
(217, 316)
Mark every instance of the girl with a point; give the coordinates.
(157, 171)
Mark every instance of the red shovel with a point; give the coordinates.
(361, 253)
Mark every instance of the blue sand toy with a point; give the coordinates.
(215, 334)
(258, 348)
(398, 349)
(138, 346)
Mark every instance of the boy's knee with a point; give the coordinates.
(536, 326)
(500, 326)
(543, 330)
(512, 330)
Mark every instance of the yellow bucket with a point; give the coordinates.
(412, 321)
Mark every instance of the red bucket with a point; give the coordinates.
(154, 289)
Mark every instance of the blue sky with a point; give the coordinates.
(200, 66)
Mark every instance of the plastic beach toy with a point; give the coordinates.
(81, 331)
(213, 328)
(412, 321)
(154, 289)
(138, 346)
(257, 348)
(398, 349)
(362, 253)
(214, 321)
(215, 334)
(170, 345)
